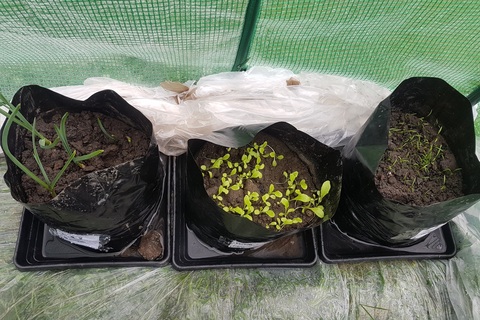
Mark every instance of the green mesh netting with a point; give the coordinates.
(56, 43)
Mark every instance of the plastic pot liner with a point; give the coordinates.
(105, 210)
(364, 213)
(231, 233)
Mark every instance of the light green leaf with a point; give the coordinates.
(318, 211)
(325, 189)
(303, 198)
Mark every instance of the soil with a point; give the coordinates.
(148, 247)
(84, 136)
(417, 168)
(270, 175)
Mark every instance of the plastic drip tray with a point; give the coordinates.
(190, 253)
(37, 249)
(336, 247)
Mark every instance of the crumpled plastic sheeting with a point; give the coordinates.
(373, 290)
(430, 289)
(329, 108)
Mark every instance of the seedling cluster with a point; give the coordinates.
(291, 195)
(428, 152)
(13, 115)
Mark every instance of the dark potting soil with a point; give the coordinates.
(417, 168)
(270, 175)
(85, 136)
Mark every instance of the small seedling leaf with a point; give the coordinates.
(318, 211)
(303, 198)
(325, 189)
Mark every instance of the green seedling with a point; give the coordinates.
(14, 116)
(46, 183)
(62, 133)
(106, 133)
(20, 120)
(250, 166)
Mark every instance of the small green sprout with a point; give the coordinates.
(106, 133)
(250, 165)
(62, 133)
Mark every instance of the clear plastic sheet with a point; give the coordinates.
(433, 289)
(322, 105)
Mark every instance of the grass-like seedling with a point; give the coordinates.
(428, 153)
(20, 120)
(62, 133)
(296, 195)
(109, 136)
(14, 116)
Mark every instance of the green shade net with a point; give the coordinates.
(55, 43)
(63, 42)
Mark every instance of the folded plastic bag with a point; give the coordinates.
(330, 107)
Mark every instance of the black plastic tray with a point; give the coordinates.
(336, 247)
(189, 253)
(37, 249)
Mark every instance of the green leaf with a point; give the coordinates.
(297, 220)
(203, 167)
(318, 211)
(285, 203)
(265, 197)
(325, 189)
(271, 188)
(246, 201)
(303, 184)
(270, 213)
(303, 198)
(277, 194)
(293, 176)
(88, 156)
(217, 163)
(256, 174)
(239, 211)
(9, 154)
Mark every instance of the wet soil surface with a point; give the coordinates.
(270, 175)
(84, 136)
(418, 167)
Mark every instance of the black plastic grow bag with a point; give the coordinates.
(364, 213)
(232, 233)
(110, 207)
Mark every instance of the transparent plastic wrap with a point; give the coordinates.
(324, 106)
